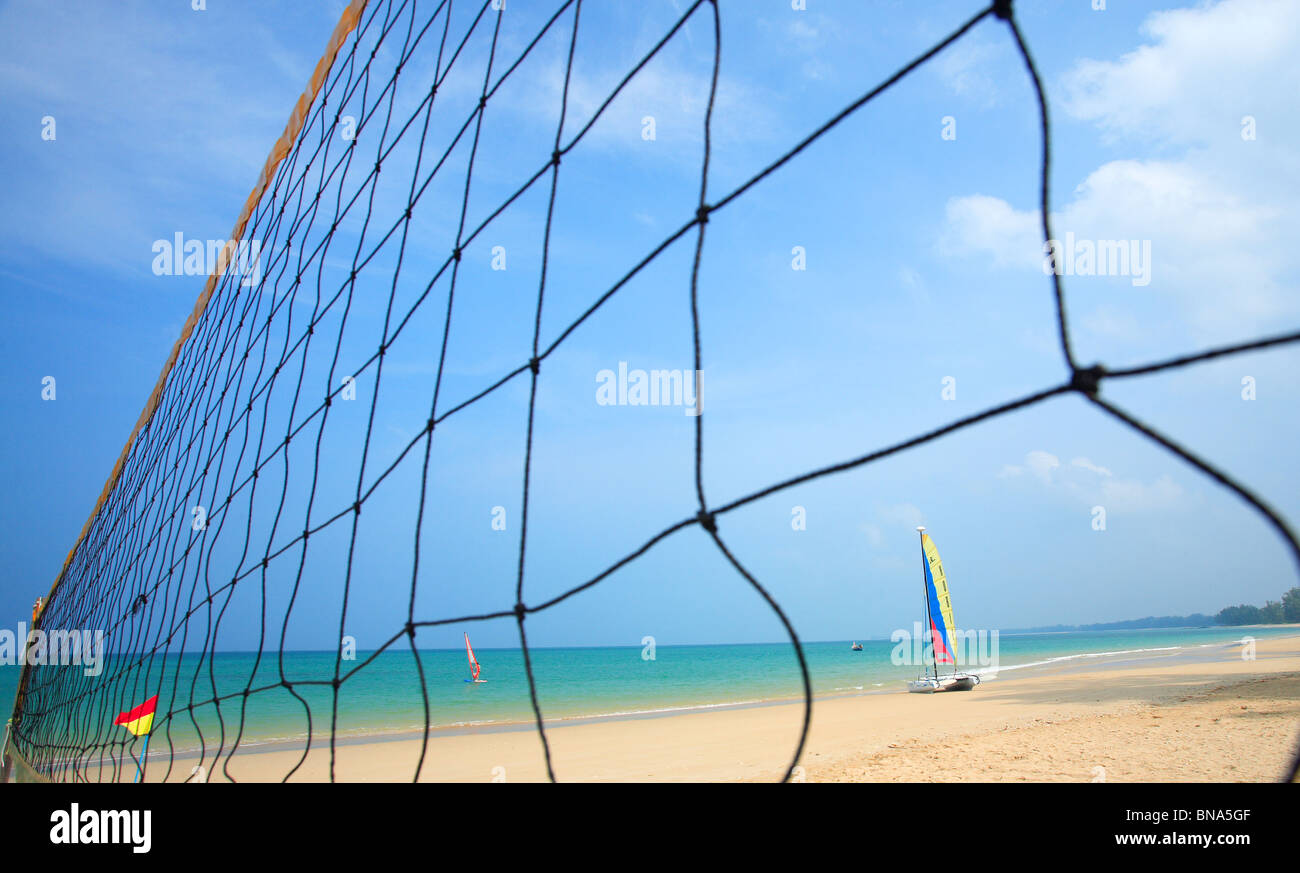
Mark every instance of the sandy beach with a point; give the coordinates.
(1202, 716)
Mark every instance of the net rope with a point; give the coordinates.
(153, 589)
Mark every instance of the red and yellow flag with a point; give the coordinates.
(139, 721)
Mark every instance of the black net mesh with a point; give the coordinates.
(244, 426)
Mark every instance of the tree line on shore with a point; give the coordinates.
(1284, 611)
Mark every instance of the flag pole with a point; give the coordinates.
(144, 753)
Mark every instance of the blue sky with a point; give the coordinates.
(923, 263)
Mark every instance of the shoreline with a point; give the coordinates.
(1081, 716)
(1033, 668)
(186, 742)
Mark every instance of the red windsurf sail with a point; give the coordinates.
(474, 668)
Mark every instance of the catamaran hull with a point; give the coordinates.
(960, 682)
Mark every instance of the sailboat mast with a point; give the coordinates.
(925, 595)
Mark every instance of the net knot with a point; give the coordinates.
(520, 611)
(455, 253)
(410, 629)
(1002, 9)
(707, 521)
(702, 214)
(1087, 380)
(535, 364)
(555, 157)
(482, 102)
(356, 507)
(428, 425)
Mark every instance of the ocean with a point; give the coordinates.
(573, 683)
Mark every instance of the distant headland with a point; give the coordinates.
(1284, 611)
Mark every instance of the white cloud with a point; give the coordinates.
(1206, 239)
(1205, 68)
(1038, 463)
(1216, 253)
(980, 224)
(1041, 464)
(969, 71)
(1221, 213)
(1090, 484)
(1085, 464)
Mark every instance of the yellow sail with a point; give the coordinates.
(936, 583)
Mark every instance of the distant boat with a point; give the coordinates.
(938, 617)
(857, 647)
(474, 668)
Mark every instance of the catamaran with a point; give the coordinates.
(474, 668)
(938, 617)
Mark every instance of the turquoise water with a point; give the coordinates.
(384, 696)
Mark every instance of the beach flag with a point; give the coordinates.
(139, 721)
